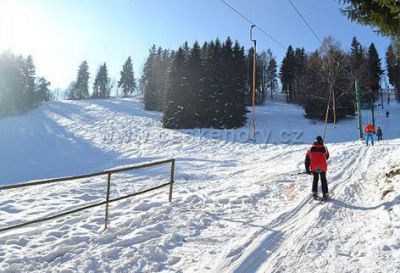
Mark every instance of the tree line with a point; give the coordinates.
(393, 68)
(210, 85)
(102, 85)
(328, 75)
(20, 88)
(205, 86)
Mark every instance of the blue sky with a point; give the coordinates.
(61, 33)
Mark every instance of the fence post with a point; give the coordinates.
(107, 199)
(171, 185)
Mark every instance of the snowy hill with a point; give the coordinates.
(238, 206)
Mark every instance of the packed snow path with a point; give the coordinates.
(237, 207)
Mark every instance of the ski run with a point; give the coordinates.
(238, 206)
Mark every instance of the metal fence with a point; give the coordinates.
(107, 200)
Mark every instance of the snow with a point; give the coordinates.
(238, 206)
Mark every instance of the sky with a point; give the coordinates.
(60, 34)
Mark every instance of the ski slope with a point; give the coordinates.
(238, 206)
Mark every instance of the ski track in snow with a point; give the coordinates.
(237, 207)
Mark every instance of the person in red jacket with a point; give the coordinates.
(369, 130)
(316, 164)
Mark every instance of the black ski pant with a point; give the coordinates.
(324, 183)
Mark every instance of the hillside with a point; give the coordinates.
(238, 206)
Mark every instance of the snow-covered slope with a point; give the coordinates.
(237, 207)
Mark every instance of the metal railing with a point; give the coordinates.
(107, 199)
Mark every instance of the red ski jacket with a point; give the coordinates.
(369, 128)
(316, 158)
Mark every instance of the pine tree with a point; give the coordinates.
(81, 88)
(43, 92)
(271, 74)
(154, 78)
(224, 96)
(393, 67)
(18, 90)
(194, 95)
(239, 84)
(382, 14)
(356, 55)
(27, 78)
(12, 85)
(211, 85)
(299, 61)
(374, 69)
(101, 85)
(287, 73)
(359, 67)
(174, 111)
(127, 81)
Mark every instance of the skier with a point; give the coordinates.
(379, 133)
(316, 164)
(370, 131)
(387, 114)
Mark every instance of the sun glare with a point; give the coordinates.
(21, 29)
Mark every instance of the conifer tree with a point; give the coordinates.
(81, 88)
(393, 69)
(43, 92)
(153, 82)
(28, 75)
(127, 81)
(271, 75)
(299, 61)
(174, 111)
(239, 79)
(287, 74)
(101, 85)
(374, 69)
(227, 87)
(194, 95)
(18, 89)
(359, 67)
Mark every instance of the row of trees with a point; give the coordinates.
(393, 68)
(205, 86)
(328, 75)
(384, 16)
(102, 85)
(20, 89)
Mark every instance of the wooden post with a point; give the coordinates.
(107, 199)
(171, 185)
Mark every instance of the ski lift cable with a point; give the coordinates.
(319, 40)
(279, 43)
(305, 21)
(340, 67)
(268, 35)
(253, 23)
